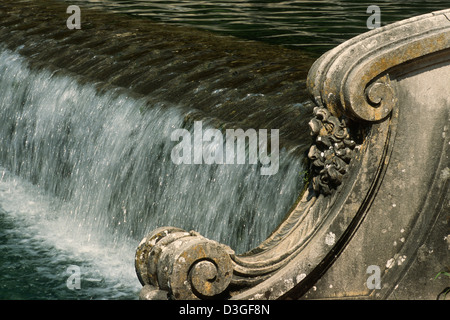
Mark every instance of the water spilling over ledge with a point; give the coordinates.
(114, 160)
(85, 150)
(87, 117)
(242, 84)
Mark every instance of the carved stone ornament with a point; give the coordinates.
(391, 211)
(332, 151)
(185, 264)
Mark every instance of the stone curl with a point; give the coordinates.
(331, 152)
(184, 265)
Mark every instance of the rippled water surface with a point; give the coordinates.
(314, 26)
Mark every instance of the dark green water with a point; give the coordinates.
(314, 26)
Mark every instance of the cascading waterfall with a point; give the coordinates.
(87, 173)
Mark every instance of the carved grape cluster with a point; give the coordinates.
(175, 264)
(332, 151)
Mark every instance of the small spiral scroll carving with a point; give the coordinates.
(332, 151)
(381, 98)
(183, 264)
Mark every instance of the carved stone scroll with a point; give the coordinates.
(390, 209)
(353, 78)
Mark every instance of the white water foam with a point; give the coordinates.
(44, 220)
(89, 174)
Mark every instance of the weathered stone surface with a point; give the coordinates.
(405, 230)
(362, 88)
(390, 211)
(182, 264)
(407, 222)
(150, 292)
(389, 208)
